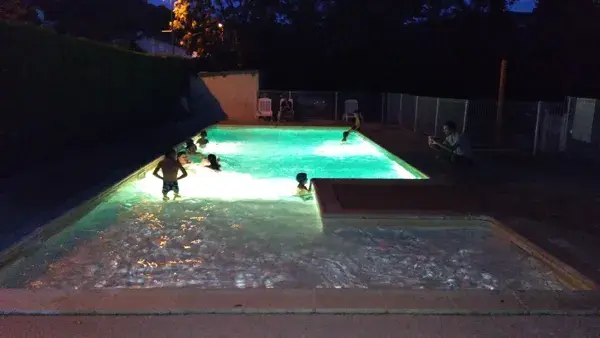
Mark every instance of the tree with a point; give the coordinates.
(105, 20)
(198, 29)
(15, 10)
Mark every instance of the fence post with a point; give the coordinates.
(437, 114)
(335, 107)
(383, 95)
(564, 128)
(464, 126)
(416, 113)
(537, 127)
(400, 110)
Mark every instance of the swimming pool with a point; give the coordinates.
(243, 228)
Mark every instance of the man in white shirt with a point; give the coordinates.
(455, 146)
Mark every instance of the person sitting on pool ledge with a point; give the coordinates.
(355, 126)
(213, 162)
(455, 147)
(170, 168)
(301, 189)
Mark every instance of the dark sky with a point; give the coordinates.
(520, 6)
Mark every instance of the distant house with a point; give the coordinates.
(156, 46)
(41, 17)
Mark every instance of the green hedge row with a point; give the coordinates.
(65, 88)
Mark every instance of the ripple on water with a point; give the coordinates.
(262, 244)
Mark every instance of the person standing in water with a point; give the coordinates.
(302, 190)
(170, 168)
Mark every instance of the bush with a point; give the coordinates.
(66, 89)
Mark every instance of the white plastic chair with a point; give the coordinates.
(279, 114)
(350, 106)
(264, 108)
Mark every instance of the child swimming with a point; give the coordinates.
(170, 167)
(213, 162)
(203, 140)
(301, 189)
(182, 158)
(190, 147)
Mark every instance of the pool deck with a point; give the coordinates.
(550, 203)
(305, 325)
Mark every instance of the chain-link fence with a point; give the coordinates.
(535, 127)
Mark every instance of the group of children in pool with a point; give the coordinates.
(174, 162)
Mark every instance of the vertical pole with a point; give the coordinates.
(464, 126)
(172, 31)
(537, 127)
(289, 95)
(335, 107)
(383, 108)
(400, 110)
(437, 115)
(500, 108)
(416, 113)
(564, 130)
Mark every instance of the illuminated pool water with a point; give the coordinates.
(243, 228)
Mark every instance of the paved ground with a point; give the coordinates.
(343, 326)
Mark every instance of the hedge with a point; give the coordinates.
(67, 89)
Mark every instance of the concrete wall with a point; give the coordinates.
(236, 92)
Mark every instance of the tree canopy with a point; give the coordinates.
(426, 47)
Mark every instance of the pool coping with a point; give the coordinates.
(189, 300)
(330, 209)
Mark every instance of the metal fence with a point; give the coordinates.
(536, 127)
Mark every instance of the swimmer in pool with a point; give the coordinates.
(170, 167)
(182, 158)
(345, 136)
(355, 126)
(190, 147)
(301, 189)
(213, 162)
(203, 140)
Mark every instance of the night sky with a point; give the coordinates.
(521, 6)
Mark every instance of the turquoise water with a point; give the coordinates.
(283, 152)
(244, 228)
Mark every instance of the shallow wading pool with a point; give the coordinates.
(243, 228)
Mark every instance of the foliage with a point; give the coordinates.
(105, 20)
(75, 89)
(199, 31)
(15, 10)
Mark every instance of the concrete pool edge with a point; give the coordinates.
(332, 211)
(172, 301)
(33, 241)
